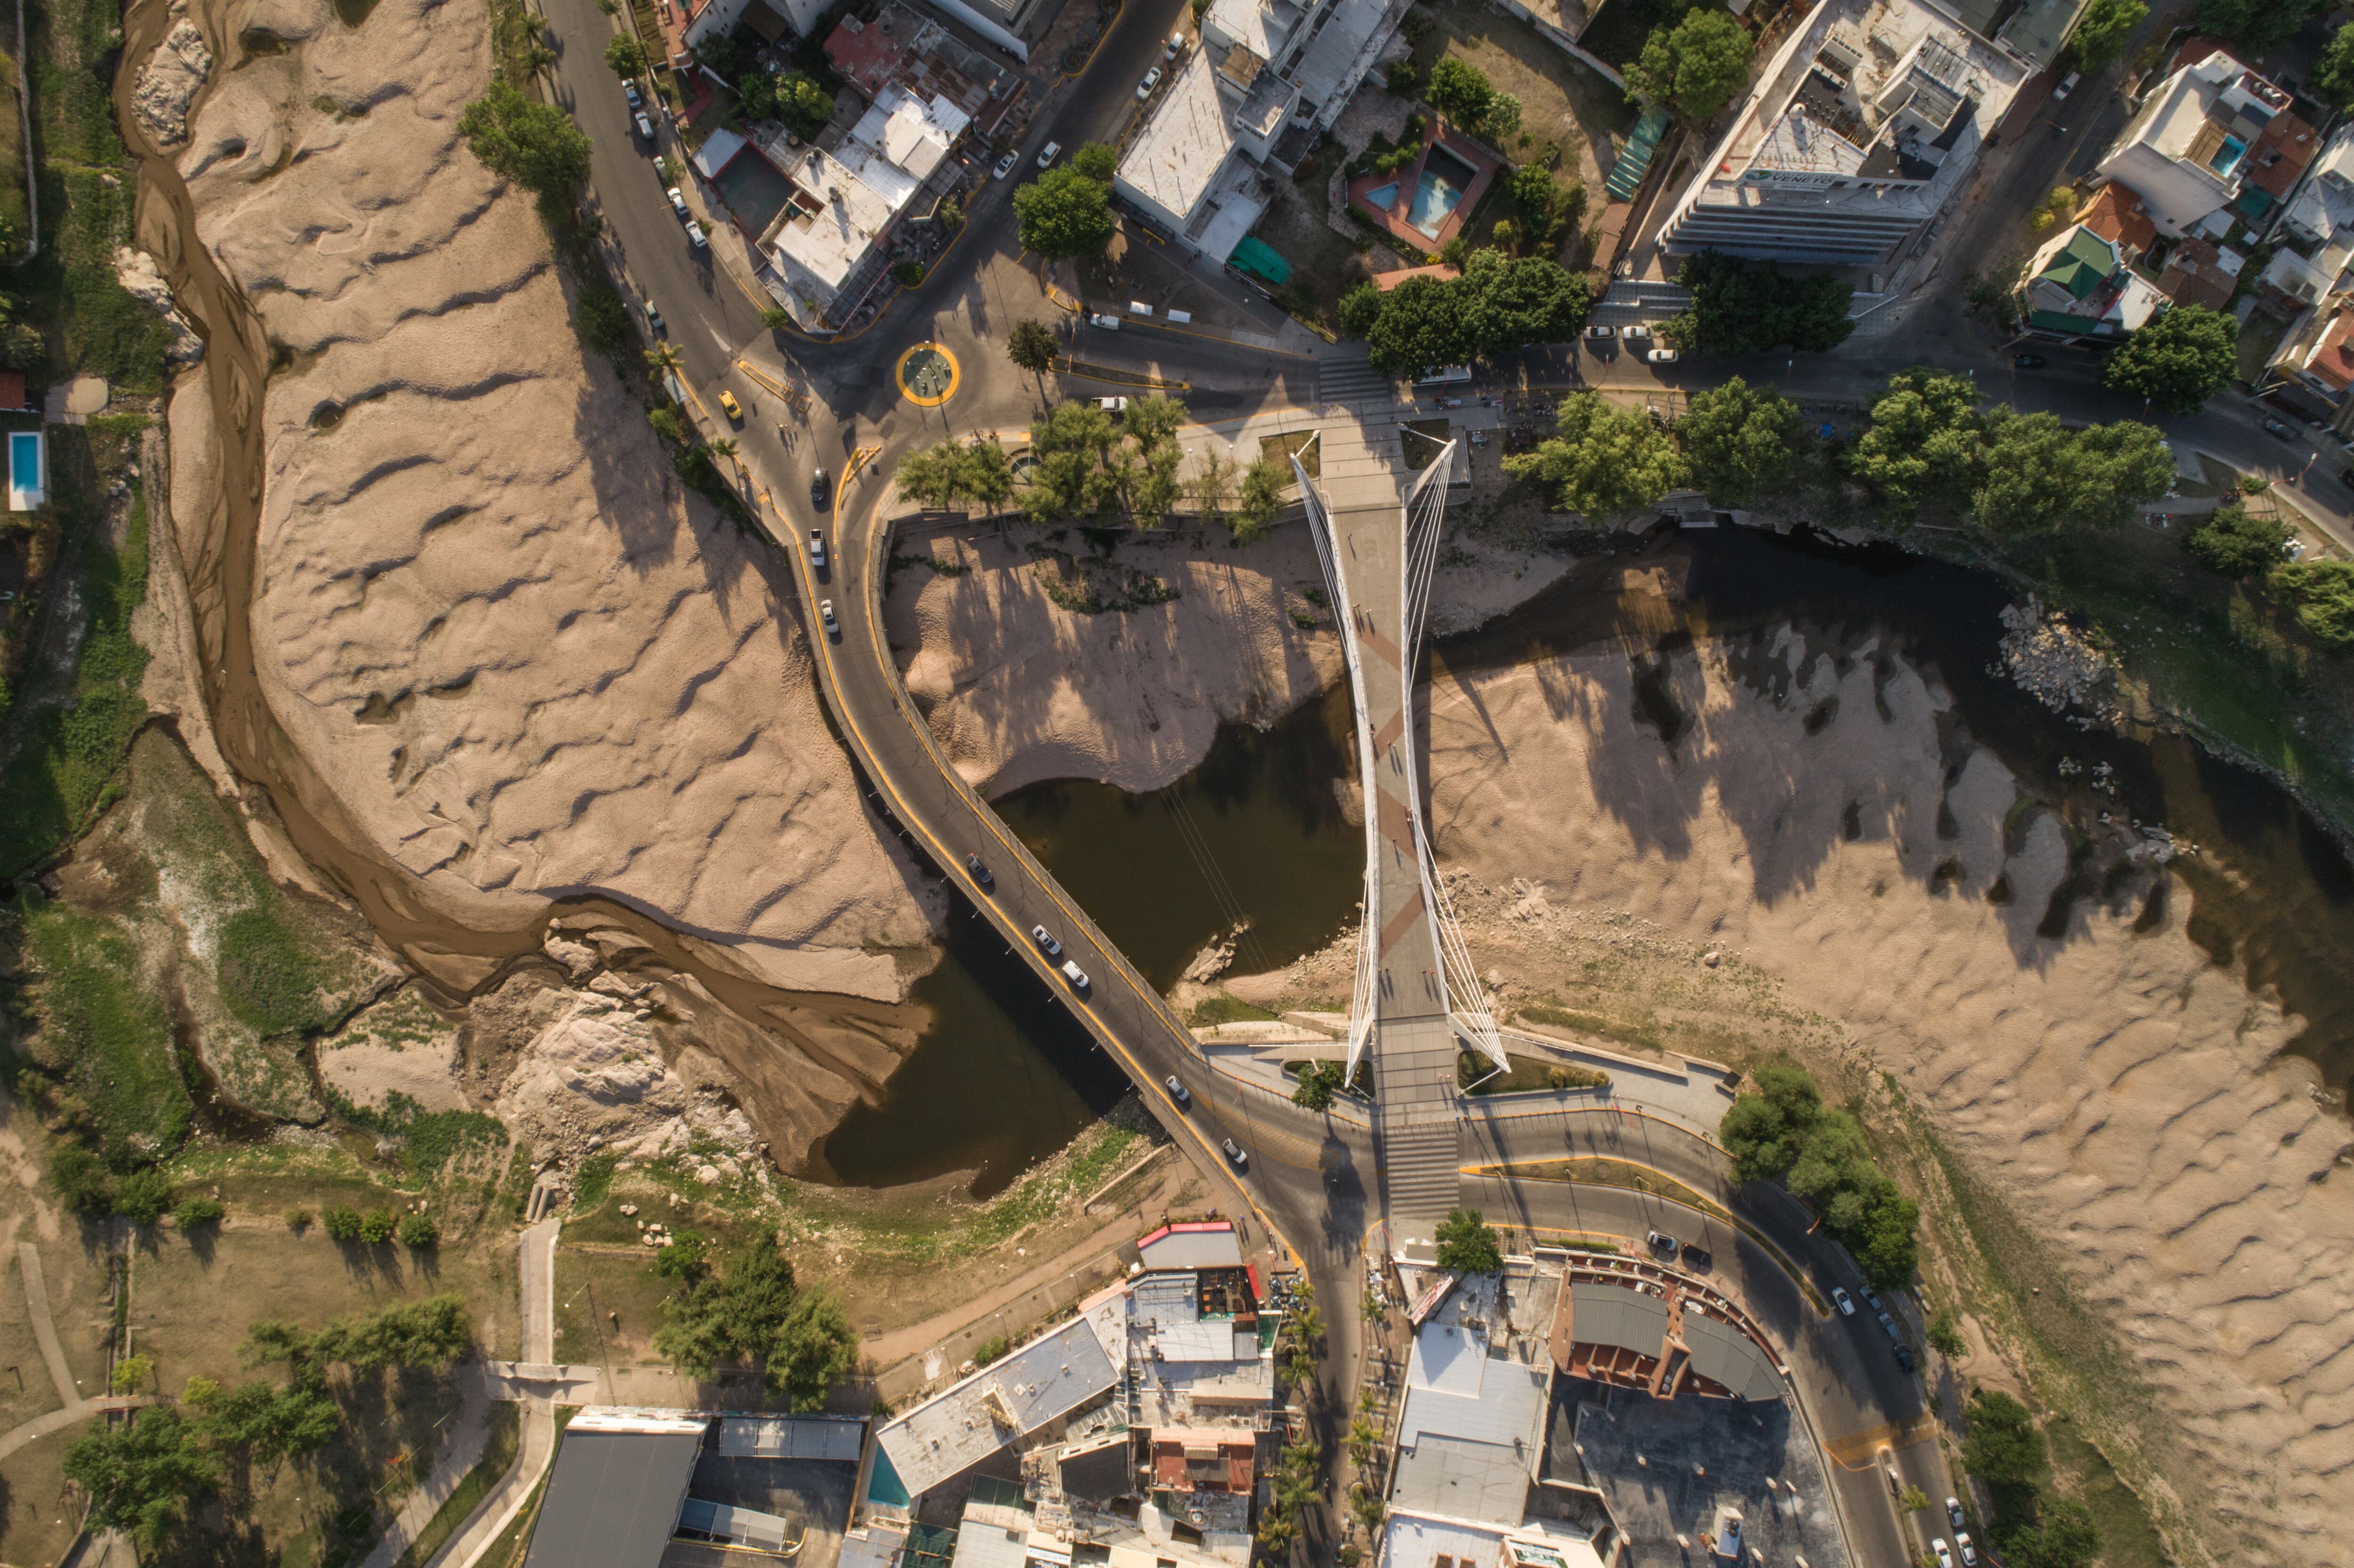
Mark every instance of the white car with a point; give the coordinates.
(1846, 1307)
(1005, 165)
(825, 614)
(1045, 940)
(1109, 324)
(1602, 334)
(1969, 1552)
(678, 204)
(1175, 47)
(1954, 1513)
(1151, 80)
(1077, 975)
(1945, 1553)
(2067, 85)
(1661, 356)
(645, 126)
(817, 549)
(695, 235)
(1635, 332)
(1048, 154)
(1113, 405)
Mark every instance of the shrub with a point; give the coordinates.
(82, 1181)
(418, 1231)
(143, 1195)
(379, 1226)
(342, 1223)
(130, 1374)
(195, 1211)
(603, 323)
(1401, 78)
(298, 1218)
(2233, 545)
(907, 274)
(2322, 594)
(989, 1349)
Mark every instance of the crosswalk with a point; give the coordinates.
(1354, 381)
(1420, 1170)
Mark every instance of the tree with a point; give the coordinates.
(1765, 1131)
(2322, 595)
(2102, 31)
(378, 1226)
(1153, 421)
(130, 1374)
(418, 1231)
(143, 1195)
(1065, 213)
(1697, 65)
(1739, 309)
(1460, 92)
(604, 322)
(342, 1223)
(2234, 545)
(2004, 1448)
(1420, 328)
(193, 1213)
(682, 1257)
(723, 447)
(2332, 77)
(1604, 462)
(141, 1477)
(261, 1421)
(933, 475)
(626, 55)
(2041, 477)
(987, 475)
(2258, 25)
(1923, 440)
(1468, 1245)
(750, 1310)
(1264, 483)
(1154, 488)
(1213, 484)
(534, 144)
(1741, 440)
(1913, 1499)
(664, 359)
(803, 104)
(2064, 1535)
(1031, 344)
(1316, 1082)
(2177, 360)
(1508, 302)
(1096, 159)
(80, 1180)
(1945, 1333)
(812, 1350)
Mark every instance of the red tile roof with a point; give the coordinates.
(2194, 275)
(2330, 360)
(2118, 216)
(11, 390)
(2280, 154)
(1385, 282)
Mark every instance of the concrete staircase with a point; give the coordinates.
(1419, 1180)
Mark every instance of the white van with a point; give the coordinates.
(1109, 324)
(1448, 375)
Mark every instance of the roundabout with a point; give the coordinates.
(927, 375)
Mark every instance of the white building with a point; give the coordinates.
(2185, 151)
(827, 247)
(1270, 75)
(1860, 129)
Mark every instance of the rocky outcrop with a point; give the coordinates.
(2051, 660)
(169, 82)
(137, 272)
(524, 663)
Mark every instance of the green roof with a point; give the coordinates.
(2082, 265)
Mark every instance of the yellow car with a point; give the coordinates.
(734, 410)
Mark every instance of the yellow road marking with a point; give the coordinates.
(1864, 1445)
(953, 864)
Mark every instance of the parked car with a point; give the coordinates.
(732, 408)
(1888, 1323)
(1661, 1241)
(1969, 1552)
(2275, 427)
(1109, 323)
(1636, 332)
(1661, 356)
(1233, 1152)
(825, 614)
(2029, 361)
(678, 204)
(645, 126)
(1599, 334)
(1846, 1307)
(2293, 548)
(1904, 1358)
(1077, 975)
(2067, 85)
(1954, 1511)
(1005, 165)
(1175, 47)
(695, 235)
(1045, 940)
(979, 872)
(821, 487)
(1048, 154)
(817, 549)
(1871, 1297)
(1945, 1553)
(630, 90)
(1178, 1091)
(1113, 405)
(1151, 80)
(1698, 1258)
(654, 320)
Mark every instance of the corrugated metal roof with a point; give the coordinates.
(1462, 1479)
(613, 1500)
(1051, 1376)
(1166, 1298)
(737, 1526)
(836, 1437)
(1613, 1315)
(1723, 1354)
(1511, 1404)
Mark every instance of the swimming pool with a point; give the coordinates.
(1445, 178)
(28, 475)
(1383, 196)
(2228, 155)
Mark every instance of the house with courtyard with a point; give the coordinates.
(2081, 288)
(2191, 151)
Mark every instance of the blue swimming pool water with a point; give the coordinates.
(1383, 196)
(1445, 177)
(24, 459)
(2227, 156)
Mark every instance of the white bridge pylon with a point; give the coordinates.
(1414, 980)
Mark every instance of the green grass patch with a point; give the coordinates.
(269, 978)
(1220, 1008)
(595, 1182)
(105, 1030)
(1524, 1075)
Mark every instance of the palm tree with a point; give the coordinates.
(724, 447)
(665, 359)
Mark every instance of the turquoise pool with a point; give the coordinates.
(27, 485)
(1445, 178)
(1383, 196)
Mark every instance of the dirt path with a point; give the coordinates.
(77, 1409)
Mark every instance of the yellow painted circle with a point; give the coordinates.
(927, 375)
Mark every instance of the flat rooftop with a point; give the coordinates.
(1047, 1379)
(1182, 148)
